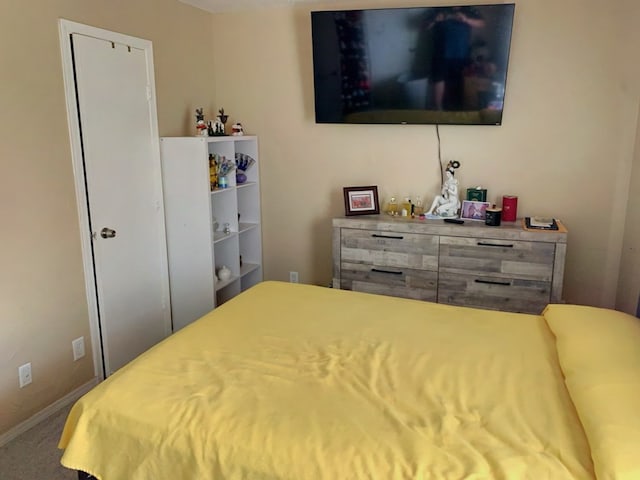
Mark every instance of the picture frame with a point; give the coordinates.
(474, 210)
(361, 200)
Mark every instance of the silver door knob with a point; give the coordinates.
(107, 233)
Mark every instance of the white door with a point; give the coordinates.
(121, 163)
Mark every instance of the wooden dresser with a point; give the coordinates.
(501, 268)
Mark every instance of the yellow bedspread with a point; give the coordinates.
(299, 382)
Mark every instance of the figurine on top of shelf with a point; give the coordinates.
(212, 128)
(222, 117)
(236, 129)
(217, 128)
(201, 126)
(447, 204)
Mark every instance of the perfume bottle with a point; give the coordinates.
(406, 207)
(392, 206)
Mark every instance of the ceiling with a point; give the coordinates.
(216, 6)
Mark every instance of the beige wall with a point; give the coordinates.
(565, 147)
(42, 298)
(629, 283)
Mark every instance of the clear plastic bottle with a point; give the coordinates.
(418, 207)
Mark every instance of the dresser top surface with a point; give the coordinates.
(470, 228)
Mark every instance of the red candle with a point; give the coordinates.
(509, 208)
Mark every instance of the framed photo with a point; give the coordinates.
(472, 210)
(361, 200)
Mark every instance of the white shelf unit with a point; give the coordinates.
(196, 249)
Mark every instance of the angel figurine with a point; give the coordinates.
(447, 203)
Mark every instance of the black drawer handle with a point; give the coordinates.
(377, 270)
(394, 237)
(487, 244)
(492, 282)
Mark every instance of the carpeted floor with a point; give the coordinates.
(34, 455)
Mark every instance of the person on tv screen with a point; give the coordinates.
(451, 30)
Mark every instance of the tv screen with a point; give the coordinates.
(422, 65)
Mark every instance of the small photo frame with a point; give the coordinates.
(361, 200)
(472, 210)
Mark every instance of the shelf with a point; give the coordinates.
(231, 188)
(218, 191)
(220, 284)
(220, 236)
(195, 217)
(248, 268)
(244, 227)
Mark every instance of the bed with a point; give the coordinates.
(291, 381)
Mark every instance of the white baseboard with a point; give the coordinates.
(47, 412)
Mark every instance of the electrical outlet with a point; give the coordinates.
(293, 277)
(78, 348)
(24, 374)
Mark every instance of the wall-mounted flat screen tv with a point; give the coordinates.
(420, 65)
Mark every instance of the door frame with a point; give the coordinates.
(66, 29)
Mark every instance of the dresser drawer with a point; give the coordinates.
(494, 292)
(511, 259)
(389, 249)
(393, 281)
(473, 264)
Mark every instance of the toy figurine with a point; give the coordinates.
(447, 203)
(217, 128)
(236, 129)
(201, 126)
(218, 125)
(223, 118)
